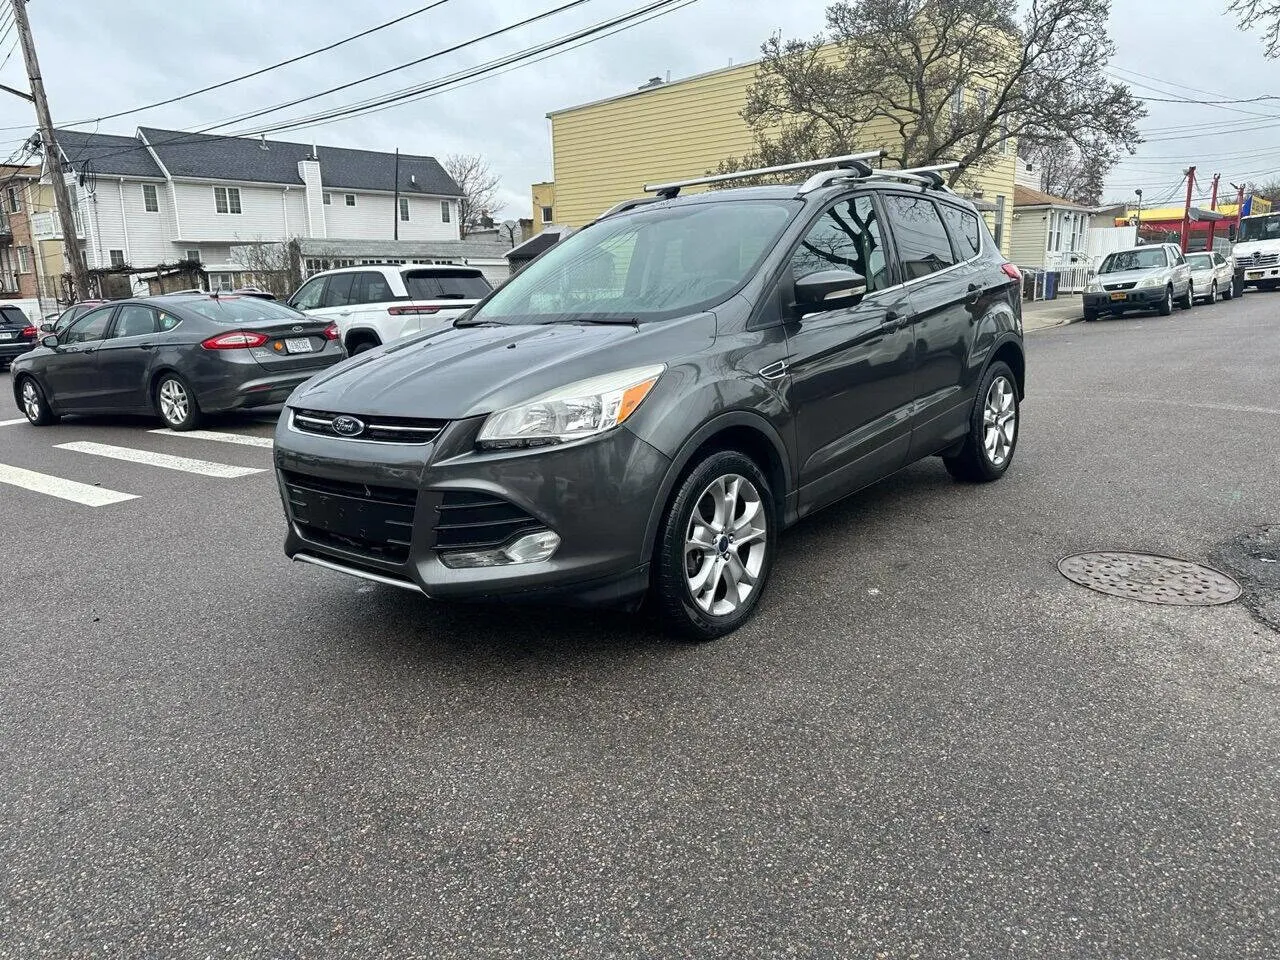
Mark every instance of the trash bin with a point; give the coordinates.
(1051, 285)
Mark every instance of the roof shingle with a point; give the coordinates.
(1026, 197)
(105, 153)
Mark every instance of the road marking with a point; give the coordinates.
(11, 423)
(83, 493)
(1192, 404)
(205, 468)
(264, 442)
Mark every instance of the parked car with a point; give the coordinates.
(650, 402)
(177, 357)
(61, 321)
(373, 305)
(1153, 277)
(17, 334)
(1211, 275)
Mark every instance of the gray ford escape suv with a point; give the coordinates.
(649, 403)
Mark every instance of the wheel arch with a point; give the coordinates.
(1010, 352)
(357, 335)
(741, 430)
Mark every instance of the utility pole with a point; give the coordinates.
(52, 155)
(395, 213)
(1213, 206)
(1186, 212)
(1138, 221)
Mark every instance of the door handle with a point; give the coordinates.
(893, 320)
(145, 346)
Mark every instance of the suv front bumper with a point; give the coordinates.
(385, 511)
(1145, 298)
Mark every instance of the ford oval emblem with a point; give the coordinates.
(297, 328)
(345, 426)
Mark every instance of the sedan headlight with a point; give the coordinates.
(1152, 281)
(573, 412)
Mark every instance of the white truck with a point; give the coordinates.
(377, 303)
(1257, 250)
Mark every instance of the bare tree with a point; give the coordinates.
(942, 80)
(1263, 15)
(275, 266)
(479, 185)
(1067, 172)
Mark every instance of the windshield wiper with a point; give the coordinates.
(604, 321)
(464, 322)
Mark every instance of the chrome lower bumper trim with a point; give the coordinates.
(356, 572)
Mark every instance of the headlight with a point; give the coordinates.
(1152, 281)
(579, 410)
(1093, 287)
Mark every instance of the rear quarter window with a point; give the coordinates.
(446, 285)
(965, 232)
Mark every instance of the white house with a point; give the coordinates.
(1048, 232)
(164, 196)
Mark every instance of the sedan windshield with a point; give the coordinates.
(1199, 261)
(1124, 260)
(648, 265)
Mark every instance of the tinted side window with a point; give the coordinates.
(846, 237)
(921, 238)
(310, 294)
(134, 320)
(13, 316)
(89, 328)
(338, 292)
(964, 230)
(371, 287)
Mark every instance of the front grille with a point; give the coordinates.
(1120, 286)
(374, 429)
(371, 521)
(477, 521)
(1261, 260)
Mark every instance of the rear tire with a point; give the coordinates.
(35, 404)
(176, 403)
(716, 548)
(993, 429)
(362, 345)
(1166, 305)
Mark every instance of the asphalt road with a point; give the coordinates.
(927, 744)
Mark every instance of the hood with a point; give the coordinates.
(451, 374)
(1128, 276)
(1245, 249)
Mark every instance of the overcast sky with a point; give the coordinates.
(101, 57)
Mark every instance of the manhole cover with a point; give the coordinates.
(1144, 576)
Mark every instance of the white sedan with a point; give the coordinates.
(1211, 273)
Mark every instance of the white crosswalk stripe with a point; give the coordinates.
(12, 423)
(205, 468)
(83, 493)
(265, 442)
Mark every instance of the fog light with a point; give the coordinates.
(530, 548)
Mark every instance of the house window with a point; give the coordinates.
(546, 215)
(351, 199)
(982, 102)
(404, 208)
(117, 257)
(444, 211)
(24, 259)
(226, 199)
(328, 199)
(1004, 137)
(15, 200)
(149, 198)
(193, 255)
(957, 104)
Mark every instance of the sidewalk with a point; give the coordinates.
(1043, 314)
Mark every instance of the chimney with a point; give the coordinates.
(263, 144)
(653, 82)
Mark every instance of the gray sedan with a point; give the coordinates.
(178, 357)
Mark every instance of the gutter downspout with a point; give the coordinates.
(124, 225)
(395, 207)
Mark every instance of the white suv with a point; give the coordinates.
(376, 304)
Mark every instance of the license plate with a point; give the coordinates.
(1119, 296)
(298, 345)
(6, 335)
(1254, 274)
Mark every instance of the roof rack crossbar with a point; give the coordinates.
(928, 176)
(666, 191)
(626, 205)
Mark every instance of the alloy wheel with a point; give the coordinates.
(174, 402)
(30, 401)
(725, 545)
(999, 421)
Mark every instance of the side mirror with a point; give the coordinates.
(50, 342)
(829, 290)
(46, 328)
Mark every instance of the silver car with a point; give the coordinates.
(1211, 274)
(1153, 277)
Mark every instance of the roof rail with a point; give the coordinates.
(666, 191)
(928, 176)
(626, 205)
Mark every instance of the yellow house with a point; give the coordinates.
(604, 152)
(544, 205)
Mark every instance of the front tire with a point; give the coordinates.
(1213, 293)
(716, 547)
(176, 403)
(1189, 298)
(1166, 305)
(1090, 316)
(993, 430)
(35, 404)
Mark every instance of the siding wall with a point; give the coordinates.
(261, 216)
(1029, 238)
(371, 217)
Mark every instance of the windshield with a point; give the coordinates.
(445, 285)
(1259, 228)
(1124, 260)
(644, 266)
(1199, 261)
(238, 310)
